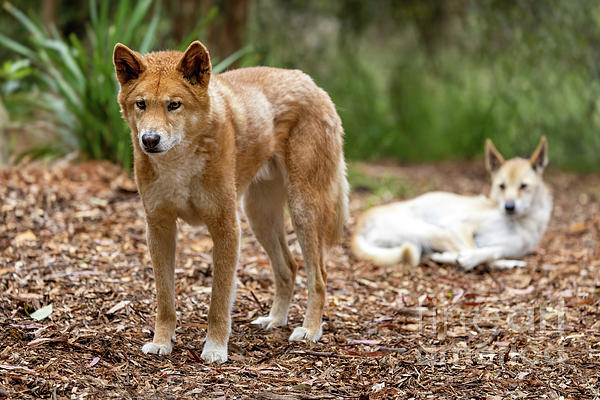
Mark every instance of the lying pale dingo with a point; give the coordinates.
(464, 230)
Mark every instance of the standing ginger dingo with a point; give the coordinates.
(464, 230)
(200, 142)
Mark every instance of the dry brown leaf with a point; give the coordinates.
(24, 237)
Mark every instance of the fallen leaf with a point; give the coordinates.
(28, 326)
(457, 332)
(24, 237)
(522, 375)
(410, 327)
(364, 341)
(377, 387)
(579, 301)
(99, 202)
(42, 313)
(520, 292)
(368, 353)
(459, 294)
(472, 303)
(194, 325)
(123, 183)
(39, 341)
(565, 293)
(387, 326)
(416, 311)
(578, 227)
(367, 283)
(14, 367)
(119, 306)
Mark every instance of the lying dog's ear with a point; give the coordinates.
(493, 158)
(195, 64)
(539, 158)
(128, 63)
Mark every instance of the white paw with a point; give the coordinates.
(508, 264)
(446, 257)
(468, 261)
(213, 353)
(154, 348)
(269, 322)
(301, 333)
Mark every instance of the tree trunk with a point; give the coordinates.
(226, 34)
(49, 8)
(185, 15)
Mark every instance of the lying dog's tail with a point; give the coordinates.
(407, 253)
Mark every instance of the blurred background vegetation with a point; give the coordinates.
(414, 80)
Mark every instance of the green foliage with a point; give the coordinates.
(413, 80)
(447, 112)
(76, 83)
(366, 115)
(13, 73)
(421, 81)
(382, 189)
(74, 86)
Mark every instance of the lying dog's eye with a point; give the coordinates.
(174, 105)
(502, 186)
(141, 104)
(523, 186)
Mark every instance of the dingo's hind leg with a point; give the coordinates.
(263, 204)
(317, 199)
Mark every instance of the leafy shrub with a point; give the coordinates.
(430, 80)
(74, 85)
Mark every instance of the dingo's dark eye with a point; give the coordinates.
(141, 104)
(174, 105)
(523, 186)
(502, 186)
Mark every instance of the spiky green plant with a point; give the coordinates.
(76, 86)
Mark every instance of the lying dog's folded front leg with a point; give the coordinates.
(161, 237)
(447, 257)
(508, 264)
(225, 232)
(469, 259)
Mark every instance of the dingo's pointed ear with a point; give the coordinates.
(493, 158)
(539, 158)
(128, 63)
(195, 64)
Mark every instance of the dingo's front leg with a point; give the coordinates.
(161, 237)
(508, 264)
(447, 257)
(469, 259)
(225, 232)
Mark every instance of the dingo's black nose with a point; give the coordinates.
(150, 140)
(509, 206)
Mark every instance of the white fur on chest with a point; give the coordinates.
(173, 188)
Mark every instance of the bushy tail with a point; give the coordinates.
(340, 210)
(407, 253)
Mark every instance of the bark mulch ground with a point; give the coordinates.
(72, 235)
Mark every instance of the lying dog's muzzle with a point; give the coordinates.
(510, 207)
